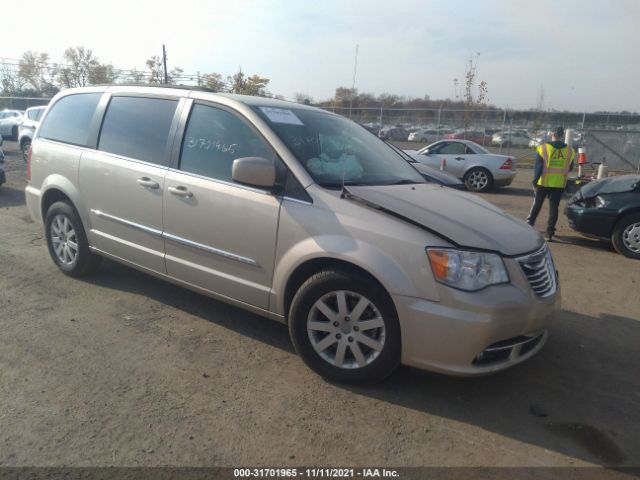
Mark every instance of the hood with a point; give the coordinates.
(617, 184)
(461, 218)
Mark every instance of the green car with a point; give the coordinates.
(609, 209)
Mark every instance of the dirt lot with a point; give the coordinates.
(123, 369)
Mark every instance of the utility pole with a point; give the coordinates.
(353, 84)
(164, 62)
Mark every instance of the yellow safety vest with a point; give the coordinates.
(555, 165)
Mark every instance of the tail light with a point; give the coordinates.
(507, 165)
(29, 163)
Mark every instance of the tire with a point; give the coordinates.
(67, 241)
(478, 179)
(24, 147)
(320, 337)
(14, 133)
(626, 236)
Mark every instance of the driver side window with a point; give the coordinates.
(450, 148)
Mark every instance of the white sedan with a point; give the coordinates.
(480, 169)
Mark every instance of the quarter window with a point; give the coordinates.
(138, 128)
(214, 138)
(70, 119)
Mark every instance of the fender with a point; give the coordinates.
(366, 256)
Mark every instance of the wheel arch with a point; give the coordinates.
(312, 266)
(59, 188)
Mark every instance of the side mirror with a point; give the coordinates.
(426, 152)
(254, 171)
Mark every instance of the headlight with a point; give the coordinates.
(469, 271)
(600, 203)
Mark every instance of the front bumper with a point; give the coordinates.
(597, 222)
(475, 333)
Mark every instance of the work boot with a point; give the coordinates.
(548, 237)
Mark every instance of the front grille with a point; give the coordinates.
(540, 271)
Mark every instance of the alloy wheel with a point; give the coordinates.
(631, 237)
(478, 180)
(64, 240)
(346, 329)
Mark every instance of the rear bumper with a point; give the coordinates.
(504, 179)
(474, 339)
(32, 198)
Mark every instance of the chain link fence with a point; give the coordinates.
(21, 103)
(614, 137)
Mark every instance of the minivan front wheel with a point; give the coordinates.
(67, 242)
(345, 327)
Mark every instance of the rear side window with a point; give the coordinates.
(138, 128)
(70, 119)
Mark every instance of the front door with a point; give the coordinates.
(454, 154)
(220, 235)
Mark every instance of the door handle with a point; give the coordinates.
(148, 183)
(180, 191)
(459, 158)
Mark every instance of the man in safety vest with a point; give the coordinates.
(554, 161)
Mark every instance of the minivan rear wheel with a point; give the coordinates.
(67, 241)
(345, 327)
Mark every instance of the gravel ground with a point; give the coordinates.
(124, 369)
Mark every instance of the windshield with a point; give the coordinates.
(335, 150)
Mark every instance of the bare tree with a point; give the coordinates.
(10, 80)
(80, 62)
(156, 69)
(474, 93)
(35, 71)
(304, 98)
(214, 81)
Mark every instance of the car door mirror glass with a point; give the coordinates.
(254, 171)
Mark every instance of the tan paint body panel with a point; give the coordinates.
(241, 245)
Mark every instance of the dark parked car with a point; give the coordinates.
(609, 208)
(431, 174)
(393, 133)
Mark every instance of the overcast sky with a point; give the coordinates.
(585, 53)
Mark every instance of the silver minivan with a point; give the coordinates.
(296, 214)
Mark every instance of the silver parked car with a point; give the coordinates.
(9, 122)
(480, 169)
(296, 214)
(27, 128)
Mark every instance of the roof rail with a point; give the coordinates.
(159, 85)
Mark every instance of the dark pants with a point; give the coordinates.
(554, 194)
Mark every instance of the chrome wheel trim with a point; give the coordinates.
(64, 240)
(478, 180)
(631, 237)
(346, 329)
